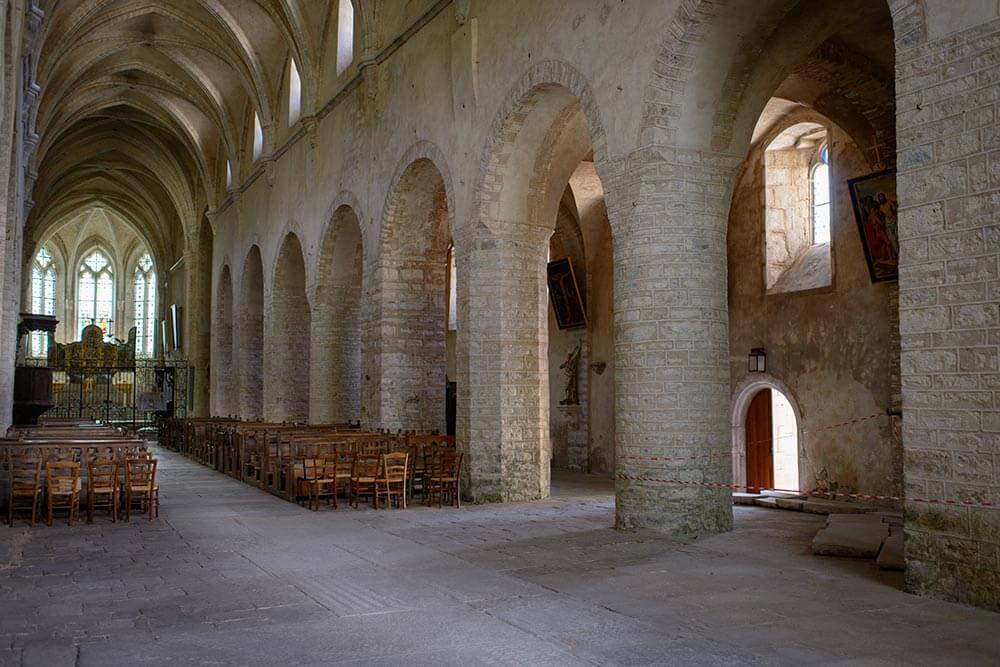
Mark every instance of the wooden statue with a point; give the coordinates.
(571, 367)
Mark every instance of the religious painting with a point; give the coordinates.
(875, 208)
(565, 295)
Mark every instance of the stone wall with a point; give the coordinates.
(833, 350)
(949, 190)
(787, 201)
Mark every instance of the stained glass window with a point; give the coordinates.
(43, 298)
(821, 197)
(96, 293)
(144, 284)
(294, 93)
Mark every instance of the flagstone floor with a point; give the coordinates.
(230, 575)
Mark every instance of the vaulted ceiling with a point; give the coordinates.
(143, 102)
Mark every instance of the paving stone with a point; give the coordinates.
(794, 504)
(851, 537)
(891, 555)
(548, 582)
(745, 498)
(833, 507)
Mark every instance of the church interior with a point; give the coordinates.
(476, 332)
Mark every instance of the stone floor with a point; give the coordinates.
(232, 576)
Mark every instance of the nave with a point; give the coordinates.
(232, 575)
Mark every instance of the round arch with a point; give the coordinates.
(742, 396)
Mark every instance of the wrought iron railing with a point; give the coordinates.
(133, 396)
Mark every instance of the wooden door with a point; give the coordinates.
(760, 464)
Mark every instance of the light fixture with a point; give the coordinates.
(756, 360)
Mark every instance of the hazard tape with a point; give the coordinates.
(828, 427)
(824, 494)
(849, 422)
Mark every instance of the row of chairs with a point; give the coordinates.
(388, 476)
(105, 488)
(274, 456)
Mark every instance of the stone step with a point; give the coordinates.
(851, 537)
(891, 555)
(745, 498)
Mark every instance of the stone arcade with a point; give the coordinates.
(348, 209)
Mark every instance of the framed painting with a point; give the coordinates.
(565, 295)
(875, 209)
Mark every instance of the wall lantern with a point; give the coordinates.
(756, 360)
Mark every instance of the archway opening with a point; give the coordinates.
(412, 334)
(336, 323)
(288, 350)
(812, 247)
(251, 337)
(581, 290)
(772, 437)
(550, 367)
(223, 372)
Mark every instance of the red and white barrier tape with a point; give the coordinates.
(825, 494)
(828, 427)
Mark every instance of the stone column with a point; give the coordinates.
(671, 342)
(199, 319)
(502, 370)
(948, 140)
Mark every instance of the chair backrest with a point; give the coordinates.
(313, 468)
(24, 471)
(451, 462)
(102, 474)
(432, 459)
(140, 473)
(343, 462)
(366, 465)
(394, 466)
(62, 476)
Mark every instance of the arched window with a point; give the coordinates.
(820, 178)
(797, 250)
(258, 137)
(43, 298)
(294, 92)
(345, 35)
(95, 293)
(144, 284)
(229, 174)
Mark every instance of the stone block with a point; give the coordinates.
(833, 507)
(890, 557)
(859, 537)
(745, 498)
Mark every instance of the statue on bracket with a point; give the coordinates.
(571, 368)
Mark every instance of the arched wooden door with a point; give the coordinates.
(760, 463)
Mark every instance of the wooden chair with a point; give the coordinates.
(102, 487)
(343, 468)
(393, 479)
(364, 477)
(303, 474)
(320, 481)
(141, 488)
(443, 477)
(24, 484)
(62, 483)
